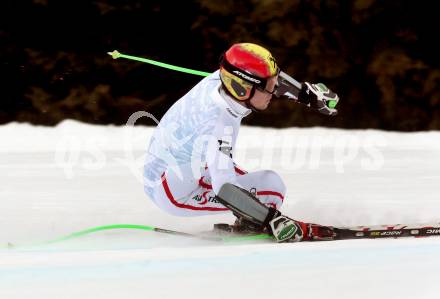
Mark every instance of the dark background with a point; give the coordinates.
(381, 57)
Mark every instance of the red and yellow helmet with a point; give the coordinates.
(244, 67)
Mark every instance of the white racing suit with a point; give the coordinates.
(191, 155)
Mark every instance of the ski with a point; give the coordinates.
(387, 231)
(330, 233)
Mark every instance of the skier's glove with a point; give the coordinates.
(285, 229)
(318, 97)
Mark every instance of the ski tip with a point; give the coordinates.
(115, 54)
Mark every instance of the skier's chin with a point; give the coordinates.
(262, 104)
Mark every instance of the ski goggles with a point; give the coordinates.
(273, 92)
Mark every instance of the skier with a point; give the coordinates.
(190, 157)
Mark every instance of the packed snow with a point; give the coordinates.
(64, 179)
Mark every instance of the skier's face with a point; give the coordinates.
(261, 98)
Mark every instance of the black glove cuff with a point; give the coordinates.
(303, 96)
(273, 213)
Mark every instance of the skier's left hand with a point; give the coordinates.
(319, 97)
(285, 229)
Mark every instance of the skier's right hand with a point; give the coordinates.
(319, 97)
(285, 229)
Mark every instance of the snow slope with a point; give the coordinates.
(55, 181)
